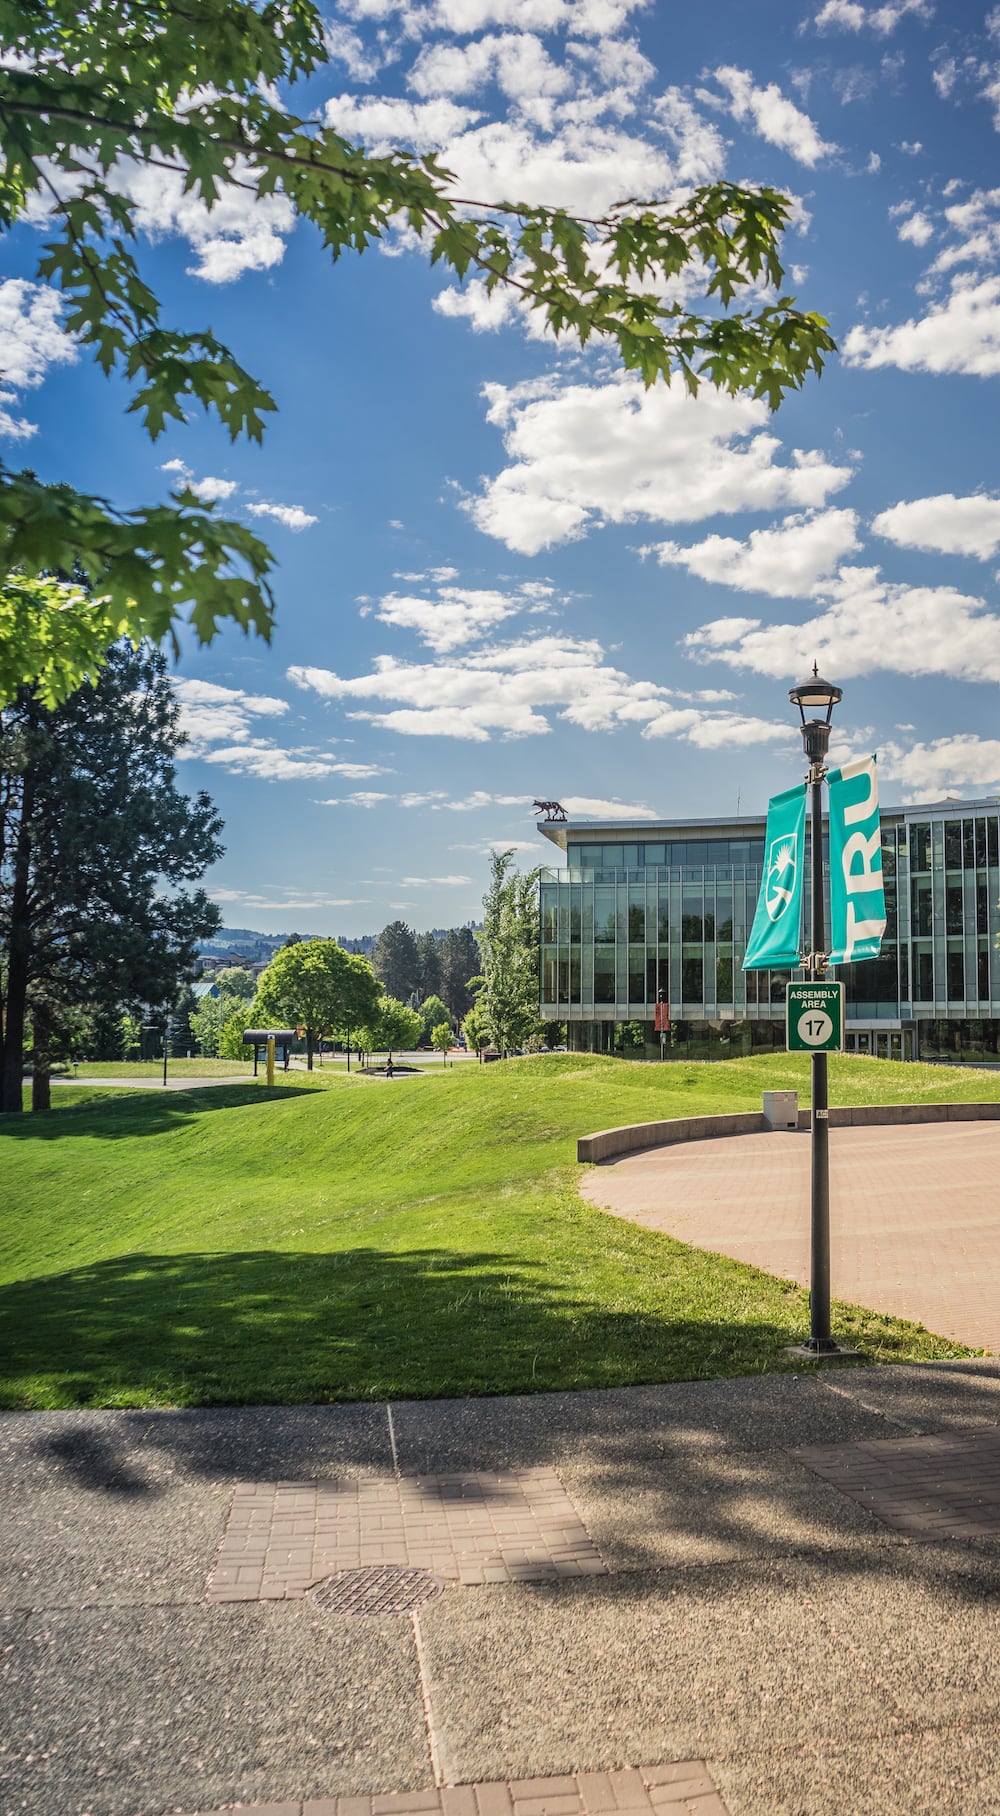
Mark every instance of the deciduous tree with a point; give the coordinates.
(95, 99)
(508, 991)
(393, 1028)
(317, 984)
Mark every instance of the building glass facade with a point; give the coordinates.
(640, 909)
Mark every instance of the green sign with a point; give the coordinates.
(815, 1018)
(775, 938)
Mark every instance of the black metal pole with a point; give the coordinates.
(819, 1280)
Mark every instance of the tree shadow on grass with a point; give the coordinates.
(134, 1112)
(268, 1327)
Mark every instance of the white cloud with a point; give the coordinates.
(291, 515)
(362, 798)
(345, 46)
(429, 882)
(866, 624)
(581, 455)
(582, 18)
(927, 771)
(588, 807)
(849, 16)
(772, 115)
(585, 167)
(263, 759)
(917, 229)
(382, 122)
(786, 560)
(211, 714)
(242, 232)
(945, 524)
(458, 615)
(517, 62)
(960, 334)
(515, 689)
(31, 340)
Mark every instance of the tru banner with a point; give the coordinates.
(775, 935)
(857, 898)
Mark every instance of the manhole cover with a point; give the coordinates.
(380, 1589)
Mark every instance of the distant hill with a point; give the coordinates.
(257, 946)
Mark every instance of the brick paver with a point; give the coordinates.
(680, 1788)
(520, 1526)
(914, 1211)
(929, 1487)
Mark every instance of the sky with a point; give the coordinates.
(505, 571)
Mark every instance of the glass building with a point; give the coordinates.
(636, 909)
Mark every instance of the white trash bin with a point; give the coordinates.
(781, 1109)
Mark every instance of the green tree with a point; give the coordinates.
(130, 1034)
(441, 1039)
(318, 984)
(508, 990)
(460, 960)
(235, 983)
(235, 1025)
(434, 1014)
(96, 843)
(210, 92)
(395, 960)
(475, 1029)
(428, 964)
(206, 1026)
(393, 1028)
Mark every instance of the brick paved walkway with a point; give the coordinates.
(471, 1528)
(683, 1788)
(915, 1214)
(929, 1487)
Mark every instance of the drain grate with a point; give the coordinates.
(380, 1589)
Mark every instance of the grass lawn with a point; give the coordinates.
(345, 1238)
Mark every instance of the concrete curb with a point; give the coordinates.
(608, 1144)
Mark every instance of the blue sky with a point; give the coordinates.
(504, 570)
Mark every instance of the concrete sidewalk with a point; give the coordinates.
(728, 1596)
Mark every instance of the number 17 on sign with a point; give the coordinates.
(815, 1018)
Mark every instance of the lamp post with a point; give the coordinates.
(813, 697)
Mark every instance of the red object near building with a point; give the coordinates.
(662, 1022)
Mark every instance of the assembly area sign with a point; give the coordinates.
(815, 1018)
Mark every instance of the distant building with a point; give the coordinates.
(668, 906)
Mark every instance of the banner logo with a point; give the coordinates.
(780, 876)
(857, 890)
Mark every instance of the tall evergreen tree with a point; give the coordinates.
(396, 961)
(91, 827)
(429, 964)
(460, 960)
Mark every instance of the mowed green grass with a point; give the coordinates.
(345, 1238)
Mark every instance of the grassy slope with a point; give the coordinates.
(345, 1238)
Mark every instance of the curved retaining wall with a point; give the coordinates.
(608, 1144)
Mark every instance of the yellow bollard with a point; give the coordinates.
(270, 1059)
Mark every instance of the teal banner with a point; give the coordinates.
(775, 937)
(857, 897)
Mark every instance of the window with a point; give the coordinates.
(953, 908)
(925, 977)
(692, 913)
(549, 911)
(956, 976)
(953, 844)
(968, 844)
(604, 917)
(920, 847)
(982, 908)
(654, 854)
(992, 840)
(691, 979)
(984, 974)
(663, 917)
(920, 920)
(637, 974)
(588, 857)
(980, 844)
(604, 974)
(904, 974)
(549, 977)
(724, 976)
(637, 912)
